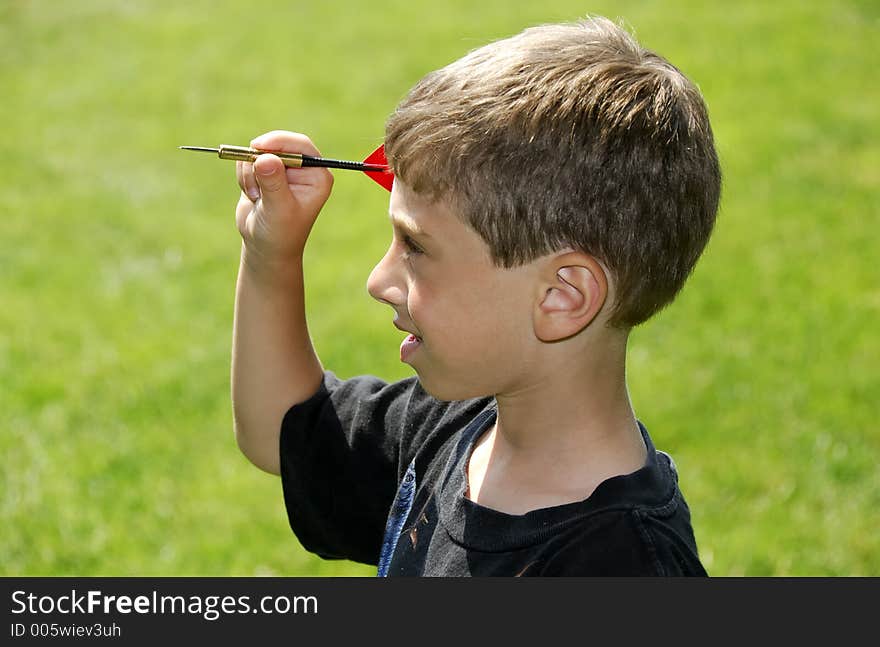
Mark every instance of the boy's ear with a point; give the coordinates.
(573, 289)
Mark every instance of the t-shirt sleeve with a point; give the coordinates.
(343, 452)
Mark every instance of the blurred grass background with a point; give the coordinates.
(118, 257)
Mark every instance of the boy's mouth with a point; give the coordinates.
(409, 346)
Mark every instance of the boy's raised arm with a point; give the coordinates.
(274, 364)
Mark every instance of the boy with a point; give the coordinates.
(552, 190)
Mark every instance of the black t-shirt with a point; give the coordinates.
(376, 473)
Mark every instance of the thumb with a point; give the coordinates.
(271, 175)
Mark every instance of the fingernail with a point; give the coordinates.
(265, 170)
(253, 194)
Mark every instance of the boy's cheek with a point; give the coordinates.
(420, 305)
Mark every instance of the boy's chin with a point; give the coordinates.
(448, 391)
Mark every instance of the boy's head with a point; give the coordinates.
(569, 136)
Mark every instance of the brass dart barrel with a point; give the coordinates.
(291, 160)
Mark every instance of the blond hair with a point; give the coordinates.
(569, 135)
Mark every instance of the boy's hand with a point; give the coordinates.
(279, 205)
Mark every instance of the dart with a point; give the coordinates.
(375, 166)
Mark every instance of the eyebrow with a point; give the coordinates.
(408, 225)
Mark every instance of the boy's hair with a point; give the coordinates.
(569, 135)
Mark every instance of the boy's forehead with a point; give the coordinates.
(412, 212)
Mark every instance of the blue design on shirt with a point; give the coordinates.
(400, 510)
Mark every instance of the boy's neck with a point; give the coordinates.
(559, 436)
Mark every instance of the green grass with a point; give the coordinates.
(119, 255)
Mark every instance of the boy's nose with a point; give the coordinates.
(385, 284)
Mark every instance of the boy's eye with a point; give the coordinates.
(411, 245)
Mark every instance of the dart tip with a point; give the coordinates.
(198, 148)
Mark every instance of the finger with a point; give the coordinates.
(238, 176)
(242, 209)
(286, 141)
(269, 172)
(244, 172)
(251, 188)
(291, 142)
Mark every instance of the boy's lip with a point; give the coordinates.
(409, 346)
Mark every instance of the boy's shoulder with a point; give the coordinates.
(624, 542)
(637, 524)
(634, 524)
